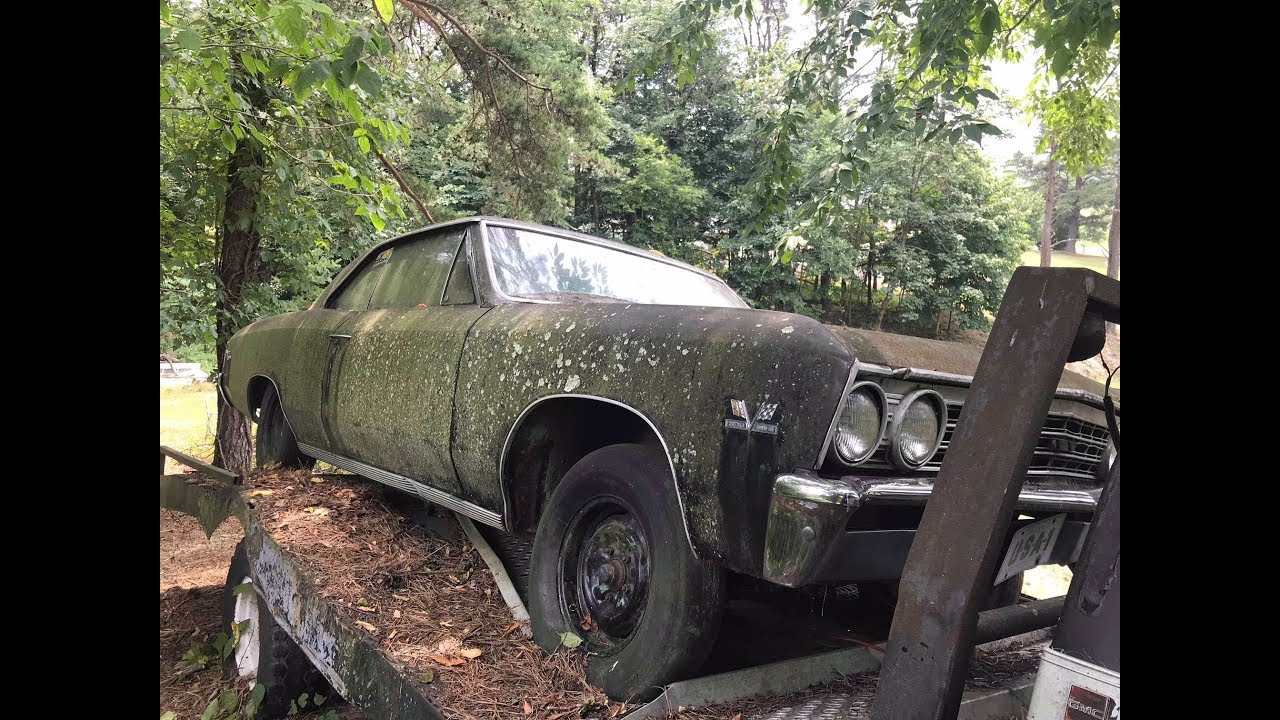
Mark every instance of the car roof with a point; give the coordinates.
(563, 232)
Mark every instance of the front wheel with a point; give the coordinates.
(276, 444)
(613, 566)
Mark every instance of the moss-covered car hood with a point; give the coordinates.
(905, 351)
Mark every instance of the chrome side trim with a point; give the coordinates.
(666, 451)
(944, 378)
(835, 419)
(409, 485)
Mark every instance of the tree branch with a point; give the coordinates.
(404, 185)
(419, 7)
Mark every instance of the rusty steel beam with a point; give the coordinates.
(953, 559)
(1090, 626)
(212, 471)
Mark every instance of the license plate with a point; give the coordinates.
(1030, 547)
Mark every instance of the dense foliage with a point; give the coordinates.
(837, 174)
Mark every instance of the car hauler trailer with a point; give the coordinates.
(924, 670)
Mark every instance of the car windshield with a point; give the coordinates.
(535, 265)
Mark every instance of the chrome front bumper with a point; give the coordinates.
(808, 515)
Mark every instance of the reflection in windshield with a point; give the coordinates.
(533, 264)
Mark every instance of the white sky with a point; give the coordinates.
(1011, 81)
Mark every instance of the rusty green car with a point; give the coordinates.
(642, 424)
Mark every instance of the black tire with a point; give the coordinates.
(282, 668)
(275, 443)
(618, 504)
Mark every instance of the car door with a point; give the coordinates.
(315, 348)
(390, 402)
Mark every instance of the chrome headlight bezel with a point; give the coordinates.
(878, 395)
(895, 426)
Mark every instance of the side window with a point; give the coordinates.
(459, 291)
(417, 271)
(355, 293)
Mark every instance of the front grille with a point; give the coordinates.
(1068, 446)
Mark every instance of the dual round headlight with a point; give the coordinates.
(914, 435)
(861, 423)
(917, 429)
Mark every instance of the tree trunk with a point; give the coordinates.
(1113, 247)
(824, 293)
(1050, 189)
(238, 261)
(1113, 235)
(1073, 220)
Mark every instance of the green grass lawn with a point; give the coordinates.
(188, 415)
(1063, 259)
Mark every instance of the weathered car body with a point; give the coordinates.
(483, 400)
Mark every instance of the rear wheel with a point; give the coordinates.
(263, 649)
(276, 444)
(612, 565)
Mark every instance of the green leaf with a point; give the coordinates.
(188, 39)
(292, 24)
(228, 140)
(380, 225)
(570, 640)
(255, 699)
(314, 73)
(364, 144)
(210, 712)
(973, 132)
(386, 9)
(352, 52)
(426, 677)
(228, 700)
(369, 80)
(171, 715)
(990, 21)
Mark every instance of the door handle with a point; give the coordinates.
(336, 336)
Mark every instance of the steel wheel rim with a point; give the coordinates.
(605, 573)
(250, 644)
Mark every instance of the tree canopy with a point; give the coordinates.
(836, 173)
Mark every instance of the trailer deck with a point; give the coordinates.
(395, 602)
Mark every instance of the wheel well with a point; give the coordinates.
(553, 435)
(258, 385)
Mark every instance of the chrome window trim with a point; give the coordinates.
(407, 484)
(666, 451)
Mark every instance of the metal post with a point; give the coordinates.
(1090, 626)
(956, 549)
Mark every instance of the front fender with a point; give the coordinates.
(680, 367)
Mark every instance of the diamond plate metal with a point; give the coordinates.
(515, 555)
(824, 707)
